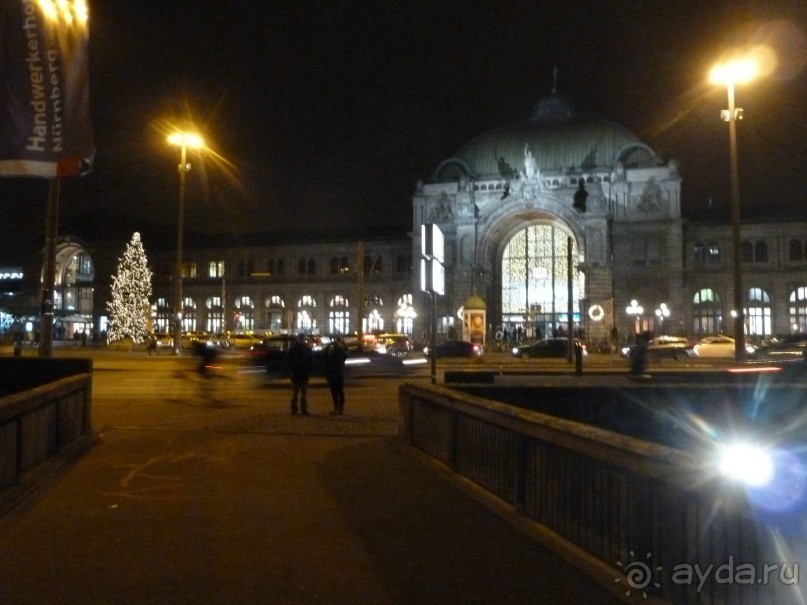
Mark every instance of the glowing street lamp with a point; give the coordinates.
(662, 313)
(738, 71)
(184, 140)
(635, 310)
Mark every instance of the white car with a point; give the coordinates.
(715, 346)
(718, 347)
(664, 347)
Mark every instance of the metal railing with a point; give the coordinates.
(634, 506)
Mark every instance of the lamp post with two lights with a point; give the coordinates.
(730, 74)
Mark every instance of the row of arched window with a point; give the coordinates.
(708, 312)
(275, 316)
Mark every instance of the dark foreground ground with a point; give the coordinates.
(246, 504)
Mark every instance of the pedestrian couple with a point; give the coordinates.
(300, 360)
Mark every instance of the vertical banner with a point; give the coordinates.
(45, 127)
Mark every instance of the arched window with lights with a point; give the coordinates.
(798, 310)
(276, 314)
(161, 315)
(373, 316)
(758, 320)
(244, 318)
(189, 317)
(405, 315)
(338, 315)
(707, 313)
(305, 319)
(214, 322)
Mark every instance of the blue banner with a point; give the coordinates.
(45, 127)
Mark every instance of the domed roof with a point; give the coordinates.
(558, 138)
(474, 301)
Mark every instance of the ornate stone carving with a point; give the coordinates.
(442, 212)
(651, 198)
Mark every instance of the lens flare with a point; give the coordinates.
(747, 463)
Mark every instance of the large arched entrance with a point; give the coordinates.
(535, 281)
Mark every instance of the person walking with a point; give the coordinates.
(299, 359)
(335, 356)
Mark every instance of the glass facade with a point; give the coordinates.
(535, 279)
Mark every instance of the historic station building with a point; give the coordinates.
(561, 221)
(560, 216)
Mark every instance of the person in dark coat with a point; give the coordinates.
(335, 356)
(299, 359)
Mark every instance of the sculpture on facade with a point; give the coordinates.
(531, 171)
(651, 198)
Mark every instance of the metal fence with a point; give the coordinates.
(660, 524)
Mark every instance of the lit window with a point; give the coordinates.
(189, 270)
(215, 268)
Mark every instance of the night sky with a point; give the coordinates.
(323, 115)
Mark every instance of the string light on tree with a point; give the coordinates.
(129, 308)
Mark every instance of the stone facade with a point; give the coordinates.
(627, 231)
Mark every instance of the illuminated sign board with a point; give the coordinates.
(432, 272)
(432, 277)
(432, 242)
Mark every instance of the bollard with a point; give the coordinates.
(17, 349)
(578, 358)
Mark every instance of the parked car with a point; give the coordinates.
(159, 341)
(240, 342)
(456, 348)
(718, 347)
(548, 347)
(664, 347)
(792, 347)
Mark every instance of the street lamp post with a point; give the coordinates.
(730, 74)
(662, 313)
(636, 311)
(184, 140)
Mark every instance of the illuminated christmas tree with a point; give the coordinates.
(129, 309)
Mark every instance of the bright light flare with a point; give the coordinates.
(749, 464)
(760, 61)
(65, 10)
(738, 71)
(186, 139)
